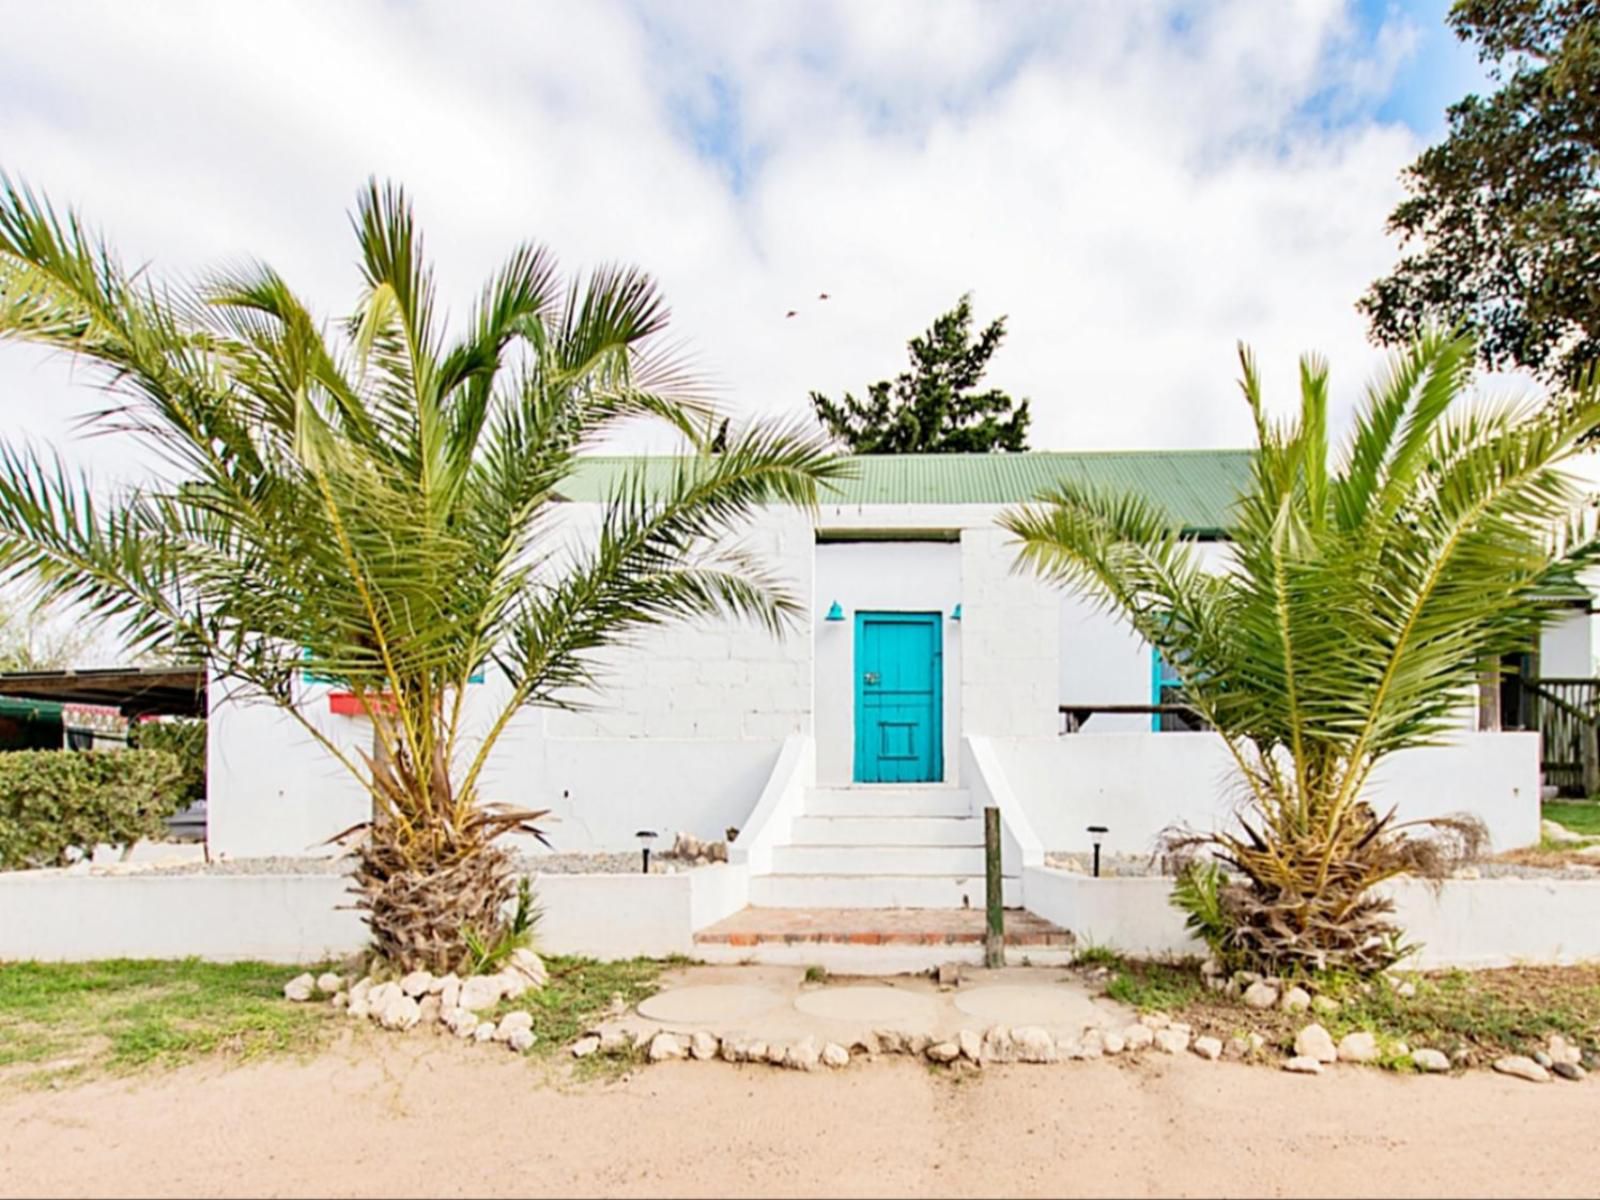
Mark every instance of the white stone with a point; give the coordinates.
(381, 994)
(484, 1032)
(998, 1046)
(530, 966)
(1208, 1048)
(1430, 1061)
(1138, 1037)
(758, 1051)
(1113, 1043)
(340, 1000)
(511, 1023)
(585, 1046)
(300, 988)
(1155, 1020)
(361, 989)
(399, 1013)
(521, 1040)
(448, 989)
(1358, 1047)
(1092, 1045)
(703, 1046)
(1296, 1000)
(1563, 1051)
(971, 1045)
(835, 1055)
(804, 1055)
(481, 991)
(417, 983)
(1260, 994)
(1302, 1064)
(1034, 1045)
(1316, 1042)
(1406, 990)
(664, 1047)
(513, 984)
(330, 984)
(430, 1011)
(359, 1010)
(1172, 1041)
(1324, 1005)
(1554, 831)
(1519, 1067)
(944, 1052)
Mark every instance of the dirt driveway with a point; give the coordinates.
(436, 1118)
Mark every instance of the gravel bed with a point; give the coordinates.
(1144, 866)
(625, 863)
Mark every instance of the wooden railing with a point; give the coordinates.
(1566, 712)
(1175, 718)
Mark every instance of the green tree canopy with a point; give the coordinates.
(1501, 227)
(934, 408)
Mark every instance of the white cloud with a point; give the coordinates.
(1136, 185)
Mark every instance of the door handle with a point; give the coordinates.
(870, 679)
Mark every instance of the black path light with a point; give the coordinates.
(646, 837)
(1097, 833)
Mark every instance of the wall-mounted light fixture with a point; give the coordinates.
(835, 613)
(955, 615)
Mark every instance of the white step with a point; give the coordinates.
(889, 800)
(886, 831)
(878, 860)
(876, 891)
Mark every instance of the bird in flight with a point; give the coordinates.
(822, 295)
(790, 313)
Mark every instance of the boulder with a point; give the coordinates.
(1172, 1041)
(944, 1052)
(521, 1040)
(481, 991)
(330, 984)
(1261, 994)
(665, 1047)
(703, 1046)
(1296, 1000)
(511, 1023)
(1430, 1062)
(971, 1045)
(1302, 1064)
(585, 1046)
(1208, 1048)
(1358, 1048)
(1139, 1037)
(1316, 1042)
(1519, 1067)
(417, 983)
(1034, 1045)
(300, 989)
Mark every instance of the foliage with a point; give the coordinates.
(31, 641)
(1577, 815)
(517, 933)
(185, 740)
(1198, 893)
(933, 408)
(54, 800)
(1359, 605)
(1155, 987)
(118, 1015)
(377, 503)
(1502, 219)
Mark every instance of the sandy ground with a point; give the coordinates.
(437, 1118)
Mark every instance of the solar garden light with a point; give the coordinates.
(1097, 834)
(646, 836)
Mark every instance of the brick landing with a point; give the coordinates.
(877, 927)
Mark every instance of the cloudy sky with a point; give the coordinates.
(1138, 185)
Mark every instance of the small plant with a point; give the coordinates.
(1197, 893)
(517, 934)
(1098, 956)
(815, 974)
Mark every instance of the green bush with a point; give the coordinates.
(51, 800)
(186, 741)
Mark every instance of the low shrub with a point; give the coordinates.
(184, 738)
(53, 800)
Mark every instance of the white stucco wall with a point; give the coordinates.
(1138, 784)
(1566, 646)
(886, 577)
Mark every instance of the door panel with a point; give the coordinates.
(899, 702)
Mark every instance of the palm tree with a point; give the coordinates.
(1361, 601)
(373, 502)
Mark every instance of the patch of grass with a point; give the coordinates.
(1578, 815)
(1152, 986)
(580, 990)
(121, 1015)
(1098, 956)
(816, 974)
(1481, 1014)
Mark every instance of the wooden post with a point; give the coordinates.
(1589, 736)
(994, 941)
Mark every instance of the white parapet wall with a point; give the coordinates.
(1139, 784)
(64, 916)
(1471, 923)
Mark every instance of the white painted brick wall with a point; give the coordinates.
(1011, 632)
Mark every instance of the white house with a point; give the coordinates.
(926, 681)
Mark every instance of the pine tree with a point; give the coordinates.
(934, 407)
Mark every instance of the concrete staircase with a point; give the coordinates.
(881, 846)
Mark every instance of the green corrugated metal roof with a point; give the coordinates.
(20, 709)
(1197, 487)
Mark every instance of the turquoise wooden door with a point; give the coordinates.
(899, 698)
